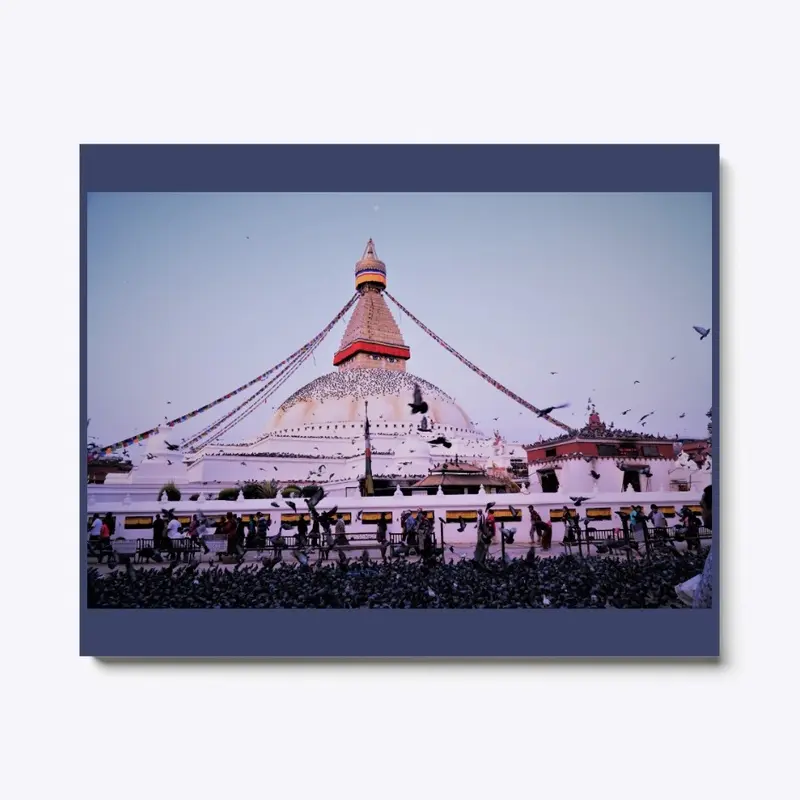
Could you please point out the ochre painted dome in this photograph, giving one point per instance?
(333, 405)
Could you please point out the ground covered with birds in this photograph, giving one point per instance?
(560, 582)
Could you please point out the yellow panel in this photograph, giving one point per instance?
(138, 522)
(467, 516)
(375, 516)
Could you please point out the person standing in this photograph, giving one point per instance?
(197, 529)
(95, 524)
(173, 534)
(659, 522)
(158, 532)
(302, 531)
(262, 526)
(340, 539)
(105, 540)
(229, 528)
(693, 531)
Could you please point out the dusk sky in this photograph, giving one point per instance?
(602, 288)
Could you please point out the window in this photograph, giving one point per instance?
(550, 453)
(650, 450)
(607, 450)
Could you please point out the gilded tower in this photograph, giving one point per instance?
(372, 338)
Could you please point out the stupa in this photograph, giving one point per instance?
(317, 434)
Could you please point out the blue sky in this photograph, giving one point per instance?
(602, 288)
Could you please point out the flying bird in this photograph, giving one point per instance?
(681, 416)
(275, 505)
(172, 447)
(673, 358)
(635, 382)
(462, 525)
(440, 440)
(243, 463)
(291, 505)
(595, 475)
(646, 416)
(489, 506)
(550, 409)
(554, 373)
(702, 331)
(626, 411)
(578, 500)
(419, 406)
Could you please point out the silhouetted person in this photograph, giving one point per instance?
(704, 595)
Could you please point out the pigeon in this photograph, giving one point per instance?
(626, 411)
(243, 463)
(169, 462)
(595, 475)
(419, 406)
(554, 373)
(578, 500)
(641, 419)
(550, 409)
(275, 505)
(673, 358)
(513, 511)
(150, 456)
(462, 524)
(291, 505)
(440, 440)
(489, 506)
(681, 416)
(507, 534)
(588, 459)
(635, 382)
(702, 331)
(275, 468)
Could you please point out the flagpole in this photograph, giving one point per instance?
(369, 488)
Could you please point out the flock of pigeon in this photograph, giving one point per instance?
(531, 582)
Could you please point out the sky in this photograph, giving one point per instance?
(192, 295)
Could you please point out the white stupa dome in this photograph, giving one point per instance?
(333, 405)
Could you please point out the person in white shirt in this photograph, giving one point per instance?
(94, 534)
(173, 533)
(659, 521)
(94, 527)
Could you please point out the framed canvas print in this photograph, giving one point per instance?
(399, 401)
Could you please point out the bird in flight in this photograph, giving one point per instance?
(702, 331)
(578, 500)
(641, 419)
(681, 416)
(635, 382)
(550, 409)
(172, 447)
(626, 411)
(554, 373)
(419, 406)
(440, 440)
